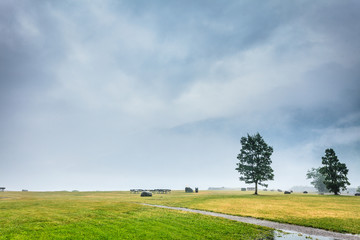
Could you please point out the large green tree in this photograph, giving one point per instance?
(254, 161)
(317, 179)
(334, 172)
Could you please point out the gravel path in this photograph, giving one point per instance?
(270, 224)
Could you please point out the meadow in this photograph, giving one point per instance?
(108, 215)
(335, 213)
(118, 215)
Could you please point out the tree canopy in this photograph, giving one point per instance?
(334, 172)
(317, 179)
(254, 161)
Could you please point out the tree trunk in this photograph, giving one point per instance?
(256, 188)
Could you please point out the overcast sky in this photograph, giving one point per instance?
(113, 95)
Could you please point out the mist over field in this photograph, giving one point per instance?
(113, 95)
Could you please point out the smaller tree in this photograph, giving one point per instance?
(318, 179)
(334, 172)
(254, 161)
(358, 189)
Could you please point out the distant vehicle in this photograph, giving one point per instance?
(146, 194)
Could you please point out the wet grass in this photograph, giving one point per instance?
(336, 213)
(108, 215)
(117, 215)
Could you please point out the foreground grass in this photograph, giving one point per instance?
(108, 215)
(117, 215)
(336, 213)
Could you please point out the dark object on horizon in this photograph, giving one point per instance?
(2, 189)
(243, 189)
(196, 190)
(287, 192)
(189, 190)
(321, 193)
(146, 194)
(217, 188)
(254, 161)
(265, 190)
(357, 194)
(279, 190)
(305, 192)
(24, 190)
(162, 191)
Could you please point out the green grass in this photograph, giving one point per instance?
(118, 215)
(108, 215)
(336, 213)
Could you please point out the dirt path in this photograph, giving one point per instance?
(270, 224)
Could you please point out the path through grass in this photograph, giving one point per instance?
(336, 213)
(108, 215)
(114, 215)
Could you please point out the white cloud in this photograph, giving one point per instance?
(247, 81)
(255, 80)
(27, 26)
(115, 74)
(339, 136)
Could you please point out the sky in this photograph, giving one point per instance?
(113, 95)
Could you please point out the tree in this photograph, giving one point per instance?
(358, 189)
(254, 165)
(334, 172)
(318, 179)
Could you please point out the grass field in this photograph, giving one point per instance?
(108, 215)
(336, 213)
(117, 215)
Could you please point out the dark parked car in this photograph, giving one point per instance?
(146, 194)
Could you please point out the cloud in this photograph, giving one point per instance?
(134, 84)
